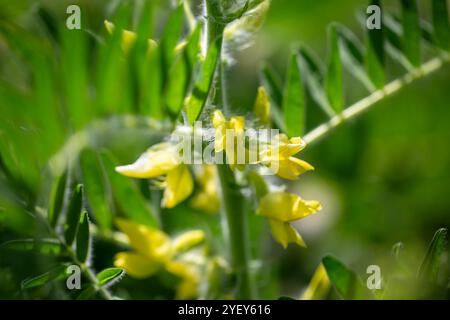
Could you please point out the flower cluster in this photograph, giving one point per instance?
(278, 155)
(171, 168)
(155, 250)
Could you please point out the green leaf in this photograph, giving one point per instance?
(96, 188)
(109, 276)
(352, 53)
(312, 75)
(411, 32)
(57, 199)
(426, 31)
(334, 80)
(144, 24)
(44, 246)
(171, 36)
(145, 64)
(55, 274)
(393, 33)
(181, 72)
(202, 87)
(48, 22)
(294, 100)
(431, 264)
(440, 24)
(83, 238)
(272, 84)
(152, 104)
(346, 282)
(127, 195)
(73, 215)
(193, 47)
(177, 85)
(375, 59)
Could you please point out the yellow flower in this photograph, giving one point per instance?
(163, 159)
(282, 208)
(234, 128)
(154, 250)
(319, 285)
(279, 157)
(208, 198)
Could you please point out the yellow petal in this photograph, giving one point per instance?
(179, 186)
(219, 123)
(189, 279)
(208, 198)
(235, 142)
(237, 124)
(187, 240)
(218, 119)
(282, 147)
(290, 168)
(285, 207)
(319, 285)
(262, 106)
(151, 243)
(284, 233)
(157, 161)
(136, 265)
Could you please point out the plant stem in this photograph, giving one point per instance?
(365, 104)
(233, 206)
(232, 198)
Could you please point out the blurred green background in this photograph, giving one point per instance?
(382, 178)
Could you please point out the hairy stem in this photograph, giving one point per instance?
(238, 239)
(232, 198)
(366, 103)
